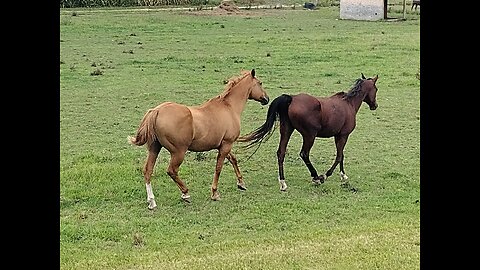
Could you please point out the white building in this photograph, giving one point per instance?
(370, 10)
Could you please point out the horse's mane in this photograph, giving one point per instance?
(231, 83)
(354, 90)
(228, 86)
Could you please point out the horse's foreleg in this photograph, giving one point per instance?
(234, 162)
(285, 132)
(153, 151)
(176, 159)
(308, 141)
(222, 153)
(340, 142)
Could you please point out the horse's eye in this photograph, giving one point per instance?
(261, 83)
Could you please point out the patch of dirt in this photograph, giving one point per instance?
(228, 6)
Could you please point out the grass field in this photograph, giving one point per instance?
(116, 64)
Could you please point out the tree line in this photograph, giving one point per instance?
(128, 3)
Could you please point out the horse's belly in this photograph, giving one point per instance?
(203, 145)
(333, 130)
(205, 139)
(325, 134)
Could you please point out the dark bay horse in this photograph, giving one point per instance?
(313, 117)
(214, 124)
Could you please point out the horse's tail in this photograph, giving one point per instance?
(278, 109)
(146, 130)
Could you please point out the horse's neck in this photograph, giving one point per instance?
(357, 100)
(237, 97)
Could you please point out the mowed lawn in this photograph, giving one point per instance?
(115, 64)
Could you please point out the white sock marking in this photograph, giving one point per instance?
(149, 191)
(283, 184)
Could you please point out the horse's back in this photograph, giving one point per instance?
(195, 128)
(323, 116)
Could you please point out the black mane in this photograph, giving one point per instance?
(355, 89)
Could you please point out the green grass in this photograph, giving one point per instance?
(147, 57)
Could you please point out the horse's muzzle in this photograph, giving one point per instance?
(374, 107)
(264, 100)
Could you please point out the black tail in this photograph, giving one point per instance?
(277, 110)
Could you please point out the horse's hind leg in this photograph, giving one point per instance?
(234, 162)
(176, 159)
(153, 151)
(286, 131)
(308, 141)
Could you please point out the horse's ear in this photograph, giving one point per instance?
(253, 72)
(363, 76)
(375, 78)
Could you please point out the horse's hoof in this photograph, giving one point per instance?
(215, 196)
(343, 176)
(319, 179)
(241, 186)
(283, 185)
(185, 197)
(152, 204)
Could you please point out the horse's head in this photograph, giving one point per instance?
(256, 90)
(371, 91)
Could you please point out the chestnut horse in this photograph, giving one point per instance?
(214, 124)
(313, 117)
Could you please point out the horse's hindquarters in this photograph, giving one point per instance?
(173, 126)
